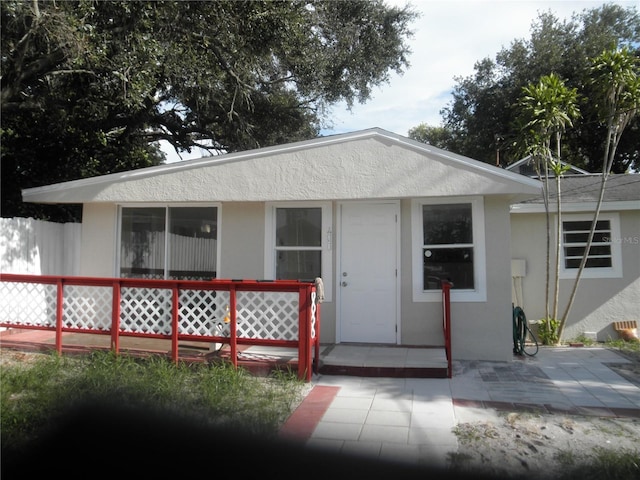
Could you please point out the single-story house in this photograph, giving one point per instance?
(609, 288)
(382, 219)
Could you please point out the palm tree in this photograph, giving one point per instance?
(615, 76)
(546, 110)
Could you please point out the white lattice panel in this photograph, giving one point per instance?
(202, 312)
(87, 307)
(267, 315)
(145, 310)
(28, 303)
(260, 315)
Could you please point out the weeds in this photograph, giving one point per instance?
(567, 458)
(623, 345)
(548, 331)
(586, 341)
(33, 396)
(468, 433)
(602, 463)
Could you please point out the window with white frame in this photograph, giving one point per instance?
(168, 242)
(448, 244)
(299, 242)
(604, 256)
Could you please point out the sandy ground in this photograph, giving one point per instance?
(525, 445)
(533, 446)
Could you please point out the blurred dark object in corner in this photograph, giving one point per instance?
(120, 442)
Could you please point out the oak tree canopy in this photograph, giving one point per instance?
(90, 87)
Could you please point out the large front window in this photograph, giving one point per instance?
(168, 242)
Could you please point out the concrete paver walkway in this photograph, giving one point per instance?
(411, 421)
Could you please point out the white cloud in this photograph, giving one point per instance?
(449, 38)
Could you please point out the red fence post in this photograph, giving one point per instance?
(304, 333)
(59, 314)
(115, 317)
(174, 322)
(233, 328)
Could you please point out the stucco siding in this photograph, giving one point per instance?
(368, 166)
(480, 330)
(421, 322)
(99, 225)
(528, 243)
(242, 240)
(362, 168)
(483, 330)
(599, 301)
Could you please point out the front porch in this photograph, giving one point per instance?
(256, 324)
(335, 359)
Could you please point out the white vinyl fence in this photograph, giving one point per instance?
(186, 254)
(37, 247)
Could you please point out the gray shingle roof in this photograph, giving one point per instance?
(586, 188)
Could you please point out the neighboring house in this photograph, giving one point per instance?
(526, 166)
(380, 217)
(609, 289)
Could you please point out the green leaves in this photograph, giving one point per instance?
(547, 109)
(615, 77)
(485, 105)
(92, 87)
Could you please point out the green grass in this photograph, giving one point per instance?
(34, 396)
(601, 464)
(623, 345)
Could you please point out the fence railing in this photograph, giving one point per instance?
(281, 313)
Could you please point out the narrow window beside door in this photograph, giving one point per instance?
(298, 243)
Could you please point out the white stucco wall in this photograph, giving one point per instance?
(372, 166)
(483, 330)
(599, 301)
(367, 165)
(242, 240)
(480, 330)
(99, 226)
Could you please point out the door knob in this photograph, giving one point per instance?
(344, 284)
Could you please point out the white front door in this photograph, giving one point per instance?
(368, 272)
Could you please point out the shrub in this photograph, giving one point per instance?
(548, 331)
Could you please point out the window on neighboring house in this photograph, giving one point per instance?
(299, 242)
(169, 242)
(448, 245)
(603, 259)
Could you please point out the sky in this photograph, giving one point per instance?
(450, 36)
